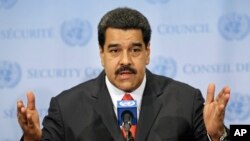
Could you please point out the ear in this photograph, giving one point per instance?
(101, 53)
(148, 54)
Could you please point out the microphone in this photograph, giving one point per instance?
(126, 108)
(127, 116)
(127, 120)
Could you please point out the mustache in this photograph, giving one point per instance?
(126, 68)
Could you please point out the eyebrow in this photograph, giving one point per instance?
(112, 45)
(137, 44)
(116, 45)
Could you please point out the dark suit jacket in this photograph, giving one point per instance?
(170, 111)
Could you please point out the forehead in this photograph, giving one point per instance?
(115, 34)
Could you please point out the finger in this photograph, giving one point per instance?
(21, 111)
(22, 116)
(31, 101)
(210, 93)
(227, 92)
(19, 106)
(223, 96)
(219, 97)
(223, 99)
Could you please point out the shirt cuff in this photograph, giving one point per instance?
(222, 138)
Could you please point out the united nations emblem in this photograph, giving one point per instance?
(234, 26)
(238, 107)
(164, 66)
(127, 103)
(76, 32)
(10, 74)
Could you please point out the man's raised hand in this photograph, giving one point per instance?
(214, 111)
(28, 119)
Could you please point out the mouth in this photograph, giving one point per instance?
(124, 75)
(125, 72)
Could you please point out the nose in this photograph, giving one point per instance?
(125, 58)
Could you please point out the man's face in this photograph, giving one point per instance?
(124, 58)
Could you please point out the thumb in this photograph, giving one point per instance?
(210, 93)
(31, 105)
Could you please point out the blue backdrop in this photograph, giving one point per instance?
(51, 45)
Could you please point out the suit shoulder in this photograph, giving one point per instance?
(85, 89)
(171, 84)
(173, 89)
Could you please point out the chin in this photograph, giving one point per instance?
(126, 88)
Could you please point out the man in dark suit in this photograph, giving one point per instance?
(168, 110)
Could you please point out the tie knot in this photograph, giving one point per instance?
(127, 96)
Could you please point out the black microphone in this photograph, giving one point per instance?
(127, 123)
(127, 120)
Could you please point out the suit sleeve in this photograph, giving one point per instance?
(200, 133)
(53, 124)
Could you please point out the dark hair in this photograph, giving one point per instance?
(124, 18)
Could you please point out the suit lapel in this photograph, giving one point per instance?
(104, 108)
(149, 108)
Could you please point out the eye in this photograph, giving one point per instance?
(135, 51)
(114, 51)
